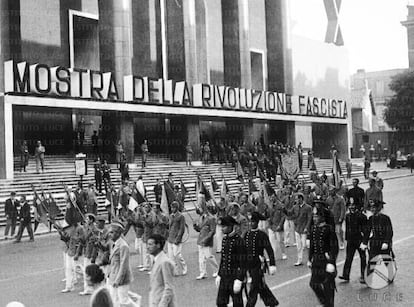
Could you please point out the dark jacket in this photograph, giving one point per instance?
(355, 226)
(358, 195)
(177, 228)
(207, 228)
(256, 242)
(25, 215)
(233, 258)
(11, 209)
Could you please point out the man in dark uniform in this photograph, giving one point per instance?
(355, 231)
(97, 166)
(357, 194)
(25, 220)
(256, 242)
(158, 191)
(323, 251)
(11, 210)
(232, 265)
(379, 231)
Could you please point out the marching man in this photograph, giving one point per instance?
(232, 269)
(256, 242)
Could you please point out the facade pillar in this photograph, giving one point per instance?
(279, 61)
(235, 20)
(290, 133)
(193, 136)
(115, 46)
(10, 49)
(248, 132)
(146, 29)
(303, 134)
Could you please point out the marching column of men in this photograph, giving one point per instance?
(315, 213)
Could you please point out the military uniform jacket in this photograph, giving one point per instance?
(233, 258)
(355, 226)
(256, 242)
(337, 206)
(323, 240)
(302, 217)
(206, 226)
(177, 228)
(379, 230)
(74, 239)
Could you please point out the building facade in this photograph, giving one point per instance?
(173, 72)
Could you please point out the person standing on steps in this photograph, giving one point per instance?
(39, 155)
(24, 156)
(145, 152)
(189, 154)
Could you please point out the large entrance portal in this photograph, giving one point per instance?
(327, 135)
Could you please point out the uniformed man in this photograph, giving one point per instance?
(102, 244)
(232, 270)
(323, 251)
(89, 249)
(256, 242)
(144, 149)
(175, 239)
(72, 237)
(379, 231)
(355, 231)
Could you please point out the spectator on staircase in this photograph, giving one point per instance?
(106, 174)
(119, 149)
(24, 156)
(39, 155)
(158, 191)
(95, 143)
(189, 154)
(145, 152)
(98, 174)
(348, 168)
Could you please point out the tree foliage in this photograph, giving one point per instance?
(399, 112)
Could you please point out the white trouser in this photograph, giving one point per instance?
(122, 297)
(174, 253)
(69, 271)
(144, 258)
(301, 241)
(219, 237)
(289, 228)
(276, 238)
(204, 255)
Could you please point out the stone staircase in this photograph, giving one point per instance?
(60, 169)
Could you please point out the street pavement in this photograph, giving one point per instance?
(32, 272)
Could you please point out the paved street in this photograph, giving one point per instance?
(32, 272)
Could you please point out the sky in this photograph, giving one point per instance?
(371, 29)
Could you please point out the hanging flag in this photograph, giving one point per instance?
(164, 201)
(53, 209)
(239, 171)
(169, 193)
(203, 190)
(142, 192)
(133, 204)
(260, 174)
(336, 169)
(214, 184)
(289, 170)
(183, 189)
(224, 188)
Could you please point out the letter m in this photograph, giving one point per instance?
(16, 77)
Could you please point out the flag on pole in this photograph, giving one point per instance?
(133, 204)
(239, 171)
(42, 213)
(336, 169)
(164, 201)
(142, 192)
(203, 190)
(214, 184)
(169, 193)
(224, 188)
(183, 189)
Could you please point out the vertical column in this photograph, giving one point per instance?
(290, 133)
(6, 139)
(115, 39)
(175, 39)
(235, 43)
(146, 27)
(193, 135)
(340, 139)
(303, 134)
(278, 57)
(248, 133)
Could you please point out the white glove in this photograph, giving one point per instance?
(363, 246)
(237, 285)
(309, 264)
(272, 270)
(384, 246)
(330, 268)
(307, 243)
(218, 279)
(327, 256)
